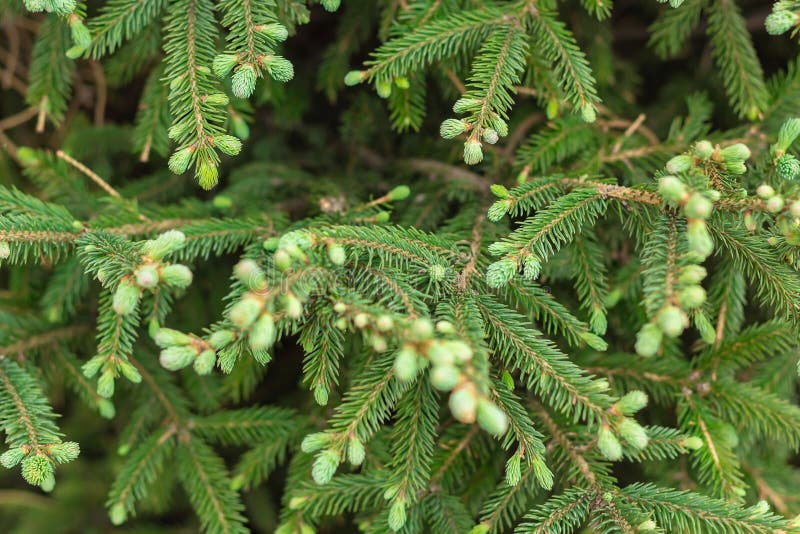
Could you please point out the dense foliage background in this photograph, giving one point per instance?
(548, 294)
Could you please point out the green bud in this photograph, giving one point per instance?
(207, 174)
(671, 321)
(789, 131)
(397, 515)
(490, 136)
(354, 77)
(498, 210)
(176, 358)
(275, 31)
(239, 127)
(64, 452)
(491, 418)
(775, 204)
(36, 469)
(243, 81)
(176, 275)
(12, 457)
(788, 167)
(221, 338)
(633, 433)
(384, 323)
(204, 363)
(700, 242)
(444, 377)
(330, 5)
(794, 209)
(166, 337)
(147, 276)
(473, 154)
(737, 152)
(542, 473)
(263, 333)
(106, 408)
(692, 274)
(217, 99)
(703, 149)
(463, 404)
(501, 272)
(680, 163)
(250, 274)
(293, 307)
(401, 192)
(81, 37)
(129, 371)
(692, 297)
(765, 192)
(49, 483)
(405, 364)
(118, 514)
(551, 110)
(34, 6)
(91, 367)
(735, 167)
(245, 312)
(228, 144)
(647, 526)
(671, 188)
(438, 354)
(464, 105)
(223, 64)
(62, 7)
(648, 340)
(126, 298)
(166, 243)
(445, 327)
(608, 445)
(779, 22)
(588, 113)
(336, 254)
(692, 443)
(314, 442)
(280, 68)
(282, 259)
(402, 83)
(325, 466)
(383, 88)
(513, 470)
(698, 207)
(422, 328)
(451, 128)
(180, 159)
(356, 452)
(321, 395)
(5, 250)
(631, 402)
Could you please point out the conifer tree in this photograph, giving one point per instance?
(446, 266)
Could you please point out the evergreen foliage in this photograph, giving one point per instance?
(544, 280)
